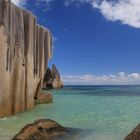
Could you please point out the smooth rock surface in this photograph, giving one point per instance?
(25, 48)
(52, 79)
(41, 130)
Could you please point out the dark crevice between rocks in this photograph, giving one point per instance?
(38, 90)
(52, 79)
(7, 59)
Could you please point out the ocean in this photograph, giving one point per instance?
(102, 112)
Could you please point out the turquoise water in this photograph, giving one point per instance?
(107, 112)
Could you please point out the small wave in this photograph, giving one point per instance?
(3, 119)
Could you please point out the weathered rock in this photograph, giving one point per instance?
(135, 134)
(52, 79)
(48, 80)
(57, 83)
(25, 49)
(44, 98)
(41, 130)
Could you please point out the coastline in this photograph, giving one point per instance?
(100, 116)
(97, 112)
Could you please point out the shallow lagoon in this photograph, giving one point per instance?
(103, 112)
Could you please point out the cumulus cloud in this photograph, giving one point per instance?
(126, 11)
(118, 79)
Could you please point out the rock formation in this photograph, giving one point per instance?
(135, 134)
(44, 98)
(25, 48)
(45, 129)
(52, 79)
(41, 130)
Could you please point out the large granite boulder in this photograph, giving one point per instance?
(25, 49)
(41, 130)
(45, 129)
(52, 79)
(135, 134)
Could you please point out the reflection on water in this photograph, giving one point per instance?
(76, 134)
(101, 112)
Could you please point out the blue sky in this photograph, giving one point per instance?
(95, 42)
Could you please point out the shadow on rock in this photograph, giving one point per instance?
(135, 134)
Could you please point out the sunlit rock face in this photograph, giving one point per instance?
(42, 130)
(46, 129)
(25, 48)
(52, 79)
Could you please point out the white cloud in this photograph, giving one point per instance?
(118, 79)
(19, 2)
(54, 38)
(126, 11)
(23, 2)
(134, 76)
